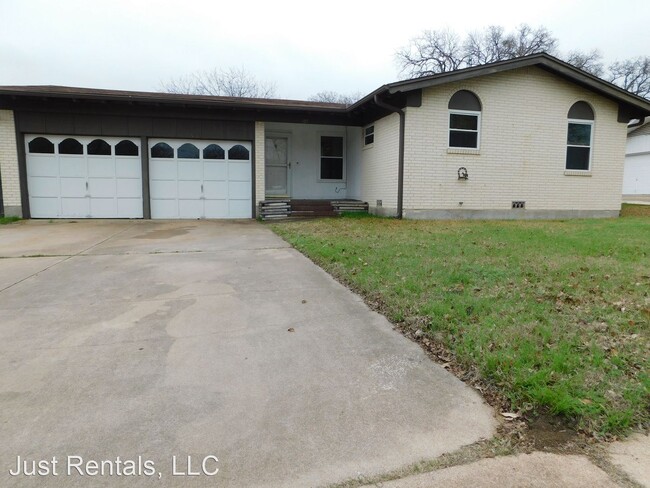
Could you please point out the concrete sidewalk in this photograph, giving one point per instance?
(536, 470)
(541, 470)
(633, 457)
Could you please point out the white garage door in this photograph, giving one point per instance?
(83, 177)
(200, 179)
(636, 178)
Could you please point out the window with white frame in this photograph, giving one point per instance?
(369, 135)
(331, 158)
(580, 134)
(464, 120)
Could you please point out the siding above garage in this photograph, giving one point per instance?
(133, 126)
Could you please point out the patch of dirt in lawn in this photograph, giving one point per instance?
(632, 210)
(548, 433)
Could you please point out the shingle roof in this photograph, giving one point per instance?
(542, 60)
(640, 105)
(160, 97)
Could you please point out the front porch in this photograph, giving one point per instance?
(286, 208)
(307, 170)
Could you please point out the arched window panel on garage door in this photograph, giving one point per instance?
(238, 152)
(126, 148)
(188, 151)
(214, 151)
(99, 147)
(41, 145)
(70, 146)
(162, 150)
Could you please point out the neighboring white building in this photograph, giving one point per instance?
(531, 137)
(636, 179)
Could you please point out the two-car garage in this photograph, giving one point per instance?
(102, 177)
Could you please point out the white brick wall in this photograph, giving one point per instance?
(9, 160)
(379, 164)
(522, 153)
(259, 162)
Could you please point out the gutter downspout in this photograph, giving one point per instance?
(400, 161)
(638, 123)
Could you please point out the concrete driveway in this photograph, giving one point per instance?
(161, 339)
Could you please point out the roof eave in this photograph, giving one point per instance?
(221, 104)
(545, 61)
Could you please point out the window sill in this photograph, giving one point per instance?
(458, 150)
(577, 172)
(320, 180)
(368, 146)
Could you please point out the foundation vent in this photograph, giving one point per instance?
(519, 204)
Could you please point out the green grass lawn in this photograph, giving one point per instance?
(553, 314)
(8, 220)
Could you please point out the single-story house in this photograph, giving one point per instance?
(636, 177)
(532, 137)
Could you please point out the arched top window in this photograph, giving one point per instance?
(464, 120)
(126, 148)
(465, 100)
(162, 150)
(41, 145)
(188, 151)
(580, 135)
(581, 111)
(70, 146)
(99, 147)
(214, 151)
(238, 152)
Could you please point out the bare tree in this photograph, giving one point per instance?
(632, 75)
(329, 96)
(231, 82)
(442, 51)
(486, 46)
(433, 52)
(591, 61)
(525, 40)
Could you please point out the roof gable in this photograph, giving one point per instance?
(635, 103)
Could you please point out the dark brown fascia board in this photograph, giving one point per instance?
(542, 60)
(368, 98)
(152, 99)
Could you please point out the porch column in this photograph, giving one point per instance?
(9, 172)
(260, 188)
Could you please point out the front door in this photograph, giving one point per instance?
(277, 166)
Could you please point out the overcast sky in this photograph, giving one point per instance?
(303, 47)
